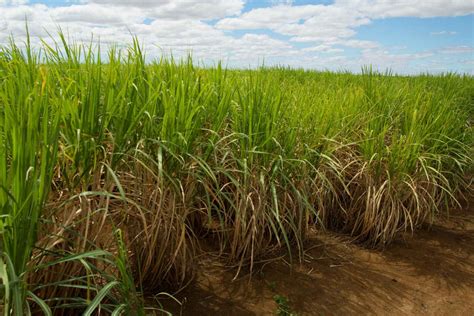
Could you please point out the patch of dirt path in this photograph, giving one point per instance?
(429, 273)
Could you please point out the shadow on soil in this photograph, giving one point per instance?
(431, 272)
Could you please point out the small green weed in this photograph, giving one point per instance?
(283, 308)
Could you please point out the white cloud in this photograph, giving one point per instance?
(322, 48)
(278, 2)
(360, 44)
(305, 23)
(325, 23)
(457, 49)
(135, 3)
(329, 46)
(162, 35)
(177, 9)
(270, 17)
(376, 9)
(13, 2)
(180, 26)
(96, 14)
(442, 33)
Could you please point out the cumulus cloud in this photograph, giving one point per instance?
(135, 3)
(13, 2)
(95, 14)
(323, 48)
(299, 35)
(377, 9)
(463, 49)
(179, 36)
(278, 2)
(441, 33)
(178, 9)
(309, 23)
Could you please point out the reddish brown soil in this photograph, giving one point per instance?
(429, 273)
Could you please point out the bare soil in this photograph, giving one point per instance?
(428, 273)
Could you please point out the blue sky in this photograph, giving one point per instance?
(406, 36)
